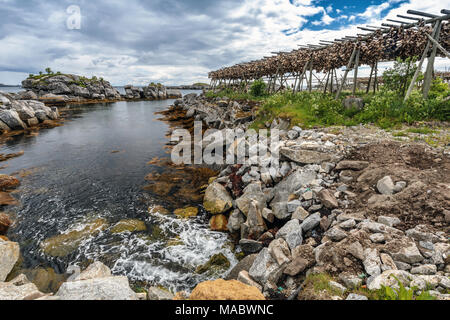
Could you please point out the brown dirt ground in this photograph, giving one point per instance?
(427, 173)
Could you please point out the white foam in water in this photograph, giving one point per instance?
(153, 261)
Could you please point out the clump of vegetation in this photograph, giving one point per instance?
(258, 88)
(317, 287)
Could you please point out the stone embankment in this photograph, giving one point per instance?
(350, 203)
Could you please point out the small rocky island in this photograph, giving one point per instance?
(61, 89)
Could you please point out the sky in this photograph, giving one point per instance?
(174, 41)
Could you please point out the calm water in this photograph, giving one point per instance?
(72, 176)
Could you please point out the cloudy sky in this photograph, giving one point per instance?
(173, 41)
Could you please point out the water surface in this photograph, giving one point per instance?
(91, 170)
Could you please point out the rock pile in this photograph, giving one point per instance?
(22, 114)
(323, 207)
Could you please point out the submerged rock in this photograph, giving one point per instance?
(64, 244)
(219, 222)
(8, 182)
(186, 212)
(217, 264)
(129, 225)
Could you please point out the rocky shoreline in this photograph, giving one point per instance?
(357, 206)
(342, 214)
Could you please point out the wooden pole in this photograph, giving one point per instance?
(352, 58)
(310, 76)
(370, 78)
(430, 67)
(439, 46)
(355, 77)
(419, 67)
(326, 84)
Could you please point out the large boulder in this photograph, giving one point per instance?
(109, 288)
(8, 182)
(12, 291)
(24, 111)
(292, 232)
(12, 119)
(265, 268)
(217, 199)
(95, 271)
(9, 254)
(225, 290)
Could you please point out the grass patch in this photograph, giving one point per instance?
(317, 287)
(424, 131)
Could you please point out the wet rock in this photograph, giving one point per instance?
(311, 222)
(328, 199)
(129, 225)
(65, 243)
(186, 213)
(386, 186)
(9, 254)
(292, 232)
(5, 223)
(216, 264)
(250, 246)
(352, 165)
(110, 288)
(219, 223)
(225, 290)
(217, 199)
(279, 250)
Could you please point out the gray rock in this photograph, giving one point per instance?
(297, 266)
(250, 246)
(11, 119)
(386, 186)
(245, 264)
(157, 294)
(255, 221)
(292, 206)
(304, 157)
(265, 268)
(268, 215)
(428, 269)
(400, 186)
(336, 234)
(328, 199)
(372, 262)
(348, 225)
(389, 221)
(94, 271)
(356, 297)
(337, 286)
(406, 252)
(300, 214)
(293, 134)
(353, 103)
(352, 165)
(280, 210)
(311, 222)
(252, 192)
(292, 233)
(351, 281)
(279, 250)
(11, 292)
(9, 254)
(235, 221)
(217, 199)
(111, 288)
(377, 238)
(245, 278)
(389, 279)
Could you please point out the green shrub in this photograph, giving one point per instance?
(258, 88)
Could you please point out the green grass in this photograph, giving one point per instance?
(386, 109)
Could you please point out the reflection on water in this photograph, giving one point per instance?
(80, 180)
